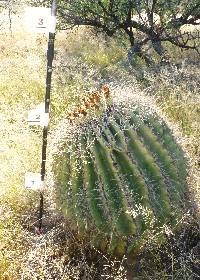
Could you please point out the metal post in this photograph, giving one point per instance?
(50, 57)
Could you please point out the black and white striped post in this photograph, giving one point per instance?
(50, 57)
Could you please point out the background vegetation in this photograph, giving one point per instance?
(82, 62)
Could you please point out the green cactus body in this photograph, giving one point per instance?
(64, 191)
(94, 196)
(163, 134)
(125, 178)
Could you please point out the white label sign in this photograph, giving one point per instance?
(39, 20)
(38, 116)
(34, 117)
(33, 181)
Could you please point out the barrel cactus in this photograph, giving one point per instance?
(120, 176)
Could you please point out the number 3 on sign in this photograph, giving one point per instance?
(40, 21)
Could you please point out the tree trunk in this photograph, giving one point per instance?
(158, 47)
(136, 51)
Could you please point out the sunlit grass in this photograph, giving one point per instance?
(183, 108)
(20, 90)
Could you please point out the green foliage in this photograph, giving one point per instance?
(126, 177)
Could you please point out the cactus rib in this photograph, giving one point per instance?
(163, 133)
(147, 164)
(94, 198)
(118, 207)
(163, 158)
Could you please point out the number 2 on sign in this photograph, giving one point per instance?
(37, 117)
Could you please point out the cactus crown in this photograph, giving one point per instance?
(92, 101)
(120, 176)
